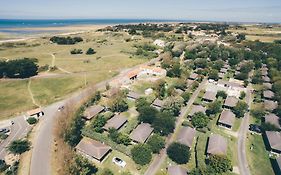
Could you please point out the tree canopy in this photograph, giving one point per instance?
(200, 120)
(141, 154)
(179, 153)
(19, 146)
(156, 143)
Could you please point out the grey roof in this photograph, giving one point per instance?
(209, 95)
(186, 136)
(141, 132)
(133, 95)
(176, 170)
(227, 117)
(223, 70)
(158, 103)
(265, 78)
(115, 122)
(179, 91)
(274, 139)
(93, 148)
(268, 94)
(264, 72)
(197, 108)
(270, 105)
(189, 82)
(92, 111)
(267, 85)
(230, 101)
(272, 119)
(217, 145)
(193, 76)
(111, 92)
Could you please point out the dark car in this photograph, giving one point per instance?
(255, 128)
(4, 130)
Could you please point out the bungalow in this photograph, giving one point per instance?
(197, 108)
(268, 94)
(267, 85)
(176, 170)
(274, 141)
(209, 96)
(227, 119)
(217, 145)
(35, 113)
(270, 105)
(141, 133)
(193, 76)
(272, 119)
(266, 79)
(158, 104)
(230, 102)
(133, 95)
(92, 149)
(223, 70)
(132, 75)
(115, 122)
(92, 111)
(186, 136)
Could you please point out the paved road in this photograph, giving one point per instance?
(42, 148)
(18, 131)
(159, 159)
(242, 134)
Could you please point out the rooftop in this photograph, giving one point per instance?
(227, 117)
(141, 132)
(274, 139)
(272, 119)
(186, 136)
(268, 94)
(211, 96)
(217, 145)
(197, 108)
(193, 76)
(270, 105)
(133, 95)
(176, 170)
(230, 101)
(115, 122)
(93, 111)
(158, 103)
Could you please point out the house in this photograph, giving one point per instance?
(141, 133)
(272, 119)
(227, 119)
(35, 113)
(270, 105)
(197, 108)
(266, 79)
(193, 76)
(133, 95)
(217, 145)
(92, 112)
(179, 91)
(268, 94)
(274, 141)
(209, 96)
(92, 149)
(223, 70)
(186, 136)
(152, 71)
(267, 85)
(230, 102)
(115, 122)
(176, 170)
(157, 103)
(133, 75)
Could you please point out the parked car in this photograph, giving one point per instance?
(119, 162)
(255, 128)
(4, 130)
(12, 122)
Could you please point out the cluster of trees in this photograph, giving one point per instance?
(200, 120)
(179, 153)
(66, 40)
(144, 27)
(146, 50)
(90, 51)
(118, 137)
(118, 103)
(19, 68)
(245, 68)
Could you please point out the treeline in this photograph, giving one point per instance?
(146, 27)
(66, 40)
(19, 68)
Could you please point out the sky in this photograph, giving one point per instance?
(209, 10)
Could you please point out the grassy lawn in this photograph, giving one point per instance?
(258, 157)
(236, 124)
(14, 98)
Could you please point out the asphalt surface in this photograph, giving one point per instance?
(19, 129)
(159, 159)
(42, 148)
(242, 135)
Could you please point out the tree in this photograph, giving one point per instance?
(90, 51)
(160, 88)
(242, 95)
(156, 143)
(199, 120)
(98, 123)
(186, 97)
(240, 109)
(118, 138)
(141, 102)
(118, 104)
(214, 107)
(173, 105)
(179, 153)
(219, 163)
(175, 71)
(19, 146)
(258, 113)
(141, 154)
(73, 133)
(76, 51)
(147, 114)
(221, 94)
(164, 123)
(31, 120)
(81, 166)
(269, 127)
(3, 165)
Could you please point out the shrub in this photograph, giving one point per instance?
(199, 120)
(19, 146)
(141, 154)
(179, 153)
(32, 120)
(156, 143)
(219, 164)
(76, 51)
(221, 94)
(90, 51)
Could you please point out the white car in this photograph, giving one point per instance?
(119, 162)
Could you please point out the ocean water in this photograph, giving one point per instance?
(23, 23)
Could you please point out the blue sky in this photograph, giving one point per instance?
(216, 10)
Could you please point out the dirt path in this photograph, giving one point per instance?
(31, 94)
(53, 65)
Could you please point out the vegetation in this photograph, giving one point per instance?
(19, 146)
(90, 51)
(199, 120)
(119, 138)
(179, 153)
(221, 94)
(164, 123)
(66, 40)
(240, 109)
(219, 164)
(76, 51)
(147, 114)
(214, 107)
(31, 120)
(81, 165)
(156, 143)
(141, 154)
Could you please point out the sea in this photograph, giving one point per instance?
(16, 25)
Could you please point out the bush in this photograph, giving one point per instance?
(186, 97)
(66, 40)
(156, 143)
(90, 51)
(240, 109)
(179, 153)
(19, 146)
(32, 120)
(76, 51)
(119, 138)
(199, 120)
(141, 154)
(219, 164)
(221, 94)
(164, 123)
(147, 114)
